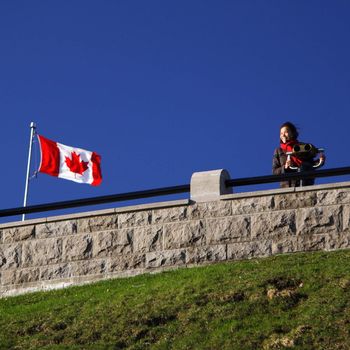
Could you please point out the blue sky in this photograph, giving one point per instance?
(161, 89)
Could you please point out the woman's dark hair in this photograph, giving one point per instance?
(292, 128)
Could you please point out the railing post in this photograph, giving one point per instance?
(209, 185)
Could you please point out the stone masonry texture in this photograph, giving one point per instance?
(61, 251)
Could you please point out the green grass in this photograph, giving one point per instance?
(299, 301)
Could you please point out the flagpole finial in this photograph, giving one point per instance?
(32, 125)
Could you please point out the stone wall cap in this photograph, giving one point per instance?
(139, 207)
(331, 186)
(80, 215)
(257, 193)
(12, 224)
(156, 205)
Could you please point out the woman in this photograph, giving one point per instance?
(283, 164)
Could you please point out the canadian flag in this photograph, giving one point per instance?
(69, 163)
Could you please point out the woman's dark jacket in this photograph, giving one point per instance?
(278, 162)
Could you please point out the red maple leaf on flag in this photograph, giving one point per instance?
(76, 165)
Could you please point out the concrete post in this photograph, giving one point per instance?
(209, 185)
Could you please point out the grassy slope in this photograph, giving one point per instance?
(299, 301)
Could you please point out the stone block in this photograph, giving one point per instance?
(309, 242)
(337, 241)
(132, 219)
(127, 262)
(113, 242)
(229, 229)
(77, 247)
(169, 215)
(166, 258)
(103, 244)
(42, 252)
(19, 276)
(284, 245)
(295, 200)
(210, 209)
(346, 217)
(213, 253)
(97, 223)
(319, 220)
(17, 234)
(10, 256)
(148, 239)
(88, 267)
(56, 229)
(332, 197)
(123, 241)
(184, 234)
(8, 277)
(252, 205)
(273, 224)
(248, 250)
(55, 272)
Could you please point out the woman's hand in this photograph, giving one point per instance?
(288, 163)
(322, 158)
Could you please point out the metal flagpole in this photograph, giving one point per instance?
(32, 131)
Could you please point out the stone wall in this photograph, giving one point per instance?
(59, 251)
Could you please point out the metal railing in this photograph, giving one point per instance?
(290, 176)
(170, 190)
